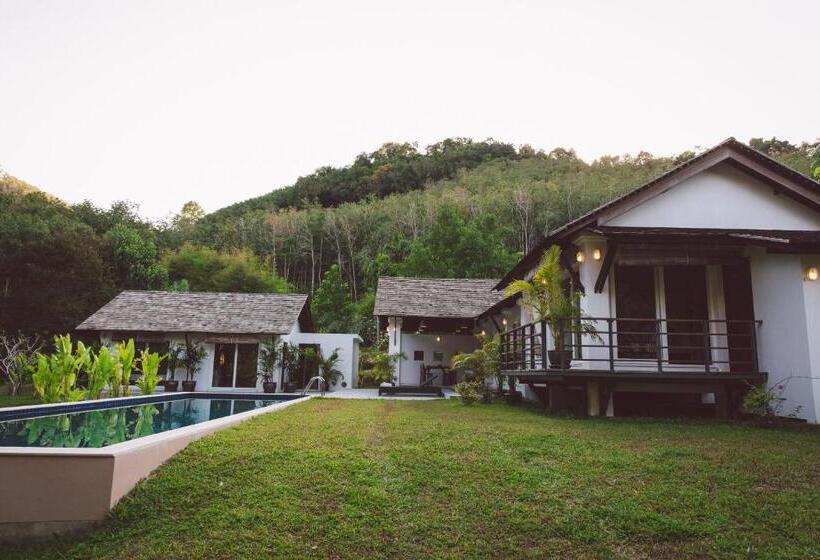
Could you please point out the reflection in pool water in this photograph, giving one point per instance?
(98, 428)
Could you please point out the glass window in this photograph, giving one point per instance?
(418, 355)
(635, 310)
(438, 356)
(223, 365)
(246, 365)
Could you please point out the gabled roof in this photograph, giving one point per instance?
(781, 177)
(457, 298)
(199, 312)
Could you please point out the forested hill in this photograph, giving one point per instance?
(393, 168)
(457, 209)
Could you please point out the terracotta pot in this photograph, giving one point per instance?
(171, 386)
(269, 386)
(189, 386)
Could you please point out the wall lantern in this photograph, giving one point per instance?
(811, 273)
(596, 254)
(504, 322)
(483, 332)
(222, 358)
(438, 339)
(580, 257)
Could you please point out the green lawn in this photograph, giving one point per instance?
(404, 479)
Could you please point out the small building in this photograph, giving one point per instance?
(430, 320)
(229, 326)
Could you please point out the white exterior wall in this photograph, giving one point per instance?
(348, 347)
(450, 345)
(721, 197)
(789, 336)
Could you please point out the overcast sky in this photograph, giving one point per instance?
(160, 102)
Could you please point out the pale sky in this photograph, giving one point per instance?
(161, 102)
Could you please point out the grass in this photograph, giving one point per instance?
(405, 479)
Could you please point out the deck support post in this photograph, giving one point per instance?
(593, 399)
(610, 403)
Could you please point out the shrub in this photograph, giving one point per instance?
(55, 376)
(470, 391)
(767, 403)
(100, 372)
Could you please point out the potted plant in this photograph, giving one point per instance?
(174, 361)
(290, 359)
(269, 356)
(479, 365)
(193, 354)
(329, 368)
(555, 306)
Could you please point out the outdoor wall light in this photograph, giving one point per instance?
(580, 257)
(483, 332)
(811, 273)
(504, 322)
(596, 254)
(438, 339)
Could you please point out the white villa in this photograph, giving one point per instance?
(701, 283)
(230, 327)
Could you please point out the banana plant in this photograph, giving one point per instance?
(126, 353)
(149, 363)
(55, 377)
(100, 373)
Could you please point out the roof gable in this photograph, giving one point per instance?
(199, 312)
(458, 298)
(768, 171)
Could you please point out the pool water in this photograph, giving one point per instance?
(107, 426)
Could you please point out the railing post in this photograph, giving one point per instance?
(532, 345)
(658, 338)
(515, 349)
(523, 347)
(543, 345)
(707, 346)
(611, 346)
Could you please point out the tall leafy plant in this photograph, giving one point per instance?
(329, 367)
(55, 376)
(479, 365)
(192, 356)
(149, 364)
(123, 365)
(100, 373)
(552, 302)
(270, 355)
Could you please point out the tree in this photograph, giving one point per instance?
(332, 307)
(136, 258)
(454, 248)
(16, 357)
(206, 270)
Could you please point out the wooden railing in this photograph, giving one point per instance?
(625, 344)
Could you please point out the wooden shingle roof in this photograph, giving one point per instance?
(198, 312)
(461, 298)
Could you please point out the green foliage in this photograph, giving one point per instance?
(482, 363)
(767, 402)
(332, 308)
(175, 354)
(55, 376)
(149, 365)
(470, 391)
(551, 300)
(16, 359)
(118, 383)
(455, 248)
(270, 356)
(376, 366)
(290, 360)
(101, 372)
(136, 257)
(329, 367)
(192, 355)
(207, 270)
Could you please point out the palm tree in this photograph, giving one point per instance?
(329, 367)
(553, 304)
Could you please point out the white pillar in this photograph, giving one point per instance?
(594, 305)
(394, 344)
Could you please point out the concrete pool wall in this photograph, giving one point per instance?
(46, 491)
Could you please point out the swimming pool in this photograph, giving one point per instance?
(117, 423)
(64, 466)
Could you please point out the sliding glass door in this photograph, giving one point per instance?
(235, 365)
